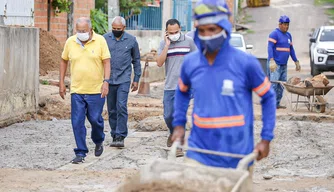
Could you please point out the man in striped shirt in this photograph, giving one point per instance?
(171, 53)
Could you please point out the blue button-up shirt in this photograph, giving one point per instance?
(123, 52)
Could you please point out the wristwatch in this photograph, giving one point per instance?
(106, 80)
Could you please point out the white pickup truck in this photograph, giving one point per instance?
(237, 41)
(322, 50)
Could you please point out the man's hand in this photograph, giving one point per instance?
(104, 89)
(167, 40)
(62, 89)
(262, 148)
(134, 86)
(272, 65)
(297, 66)
(178, 134)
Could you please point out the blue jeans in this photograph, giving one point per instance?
(90, 105)
(279, 75)
(117, 101)
(168, 102)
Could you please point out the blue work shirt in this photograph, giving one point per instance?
(123, 52)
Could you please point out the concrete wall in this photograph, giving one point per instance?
(19, 60)
(147, 39)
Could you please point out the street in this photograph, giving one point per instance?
(35, 155)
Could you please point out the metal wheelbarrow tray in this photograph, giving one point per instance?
(314, 96)
(192, 178)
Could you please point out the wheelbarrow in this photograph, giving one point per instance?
(315, 96)
(195, 178)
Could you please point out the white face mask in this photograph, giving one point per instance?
(174, 37)
(83, 36)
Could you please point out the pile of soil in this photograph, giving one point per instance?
(50, 51)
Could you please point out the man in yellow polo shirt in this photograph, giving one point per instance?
(89, 56)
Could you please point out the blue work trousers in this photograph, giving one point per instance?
(90, 105)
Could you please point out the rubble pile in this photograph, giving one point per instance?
(151, 56)
(317, 81)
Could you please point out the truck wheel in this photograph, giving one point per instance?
(314, 69)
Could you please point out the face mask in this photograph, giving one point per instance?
(174, 37)
(213, 43)
(117, 34)
(83, 36)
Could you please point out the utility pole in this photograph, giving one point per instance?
(166, 13)
(113, 10)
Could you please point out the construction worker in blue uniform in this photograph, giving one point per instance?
(223, 79)
(280, 47)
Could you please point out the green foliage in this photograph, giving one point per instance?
(99, 21)
(329, 11)
(45, 82)
(102, 5)
(61, 5)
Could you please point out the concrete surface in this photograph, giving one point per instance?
(19, 71)
(304, 16)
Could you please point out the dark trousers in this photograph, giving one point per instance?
(117, 101)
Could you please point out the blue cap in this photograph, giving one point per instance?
(284, 19)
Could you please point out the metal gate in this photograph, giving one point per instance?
(182, 11)
(17, 12)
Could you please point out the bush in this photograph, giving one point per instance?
(99, 21)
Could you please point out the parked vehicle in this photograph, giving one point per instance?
(321, 50)
(237, 41)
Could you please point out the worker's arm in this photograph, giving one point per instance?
(162, 51)
(259, 83)
(292, 51)
(181, 104)
(271, 45)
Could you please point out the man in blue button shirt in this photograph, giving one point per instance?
(124, 51)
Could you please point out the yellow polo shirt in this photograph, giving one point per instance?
(87, 70)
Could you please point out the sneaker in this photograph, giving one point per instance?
(179, 153)
(78, 159)
(98, 149)
(113, 143)
(169, 141)
(280, 107)
(120, 142)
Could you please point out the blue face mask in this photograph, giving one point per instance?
(214, 42)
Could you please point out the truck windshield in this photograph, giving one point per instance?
(327, 35)
(236, 41)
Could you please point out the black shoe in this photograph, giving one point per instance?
(120, 142)
(113, 143)
(98, 149)
(280, 107)
(78, 159)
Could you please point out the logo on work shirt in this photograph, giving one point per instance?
(227, 88)
(289, 41)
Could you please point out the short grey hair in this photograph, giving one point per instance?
(119, 18)
(85, 19)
